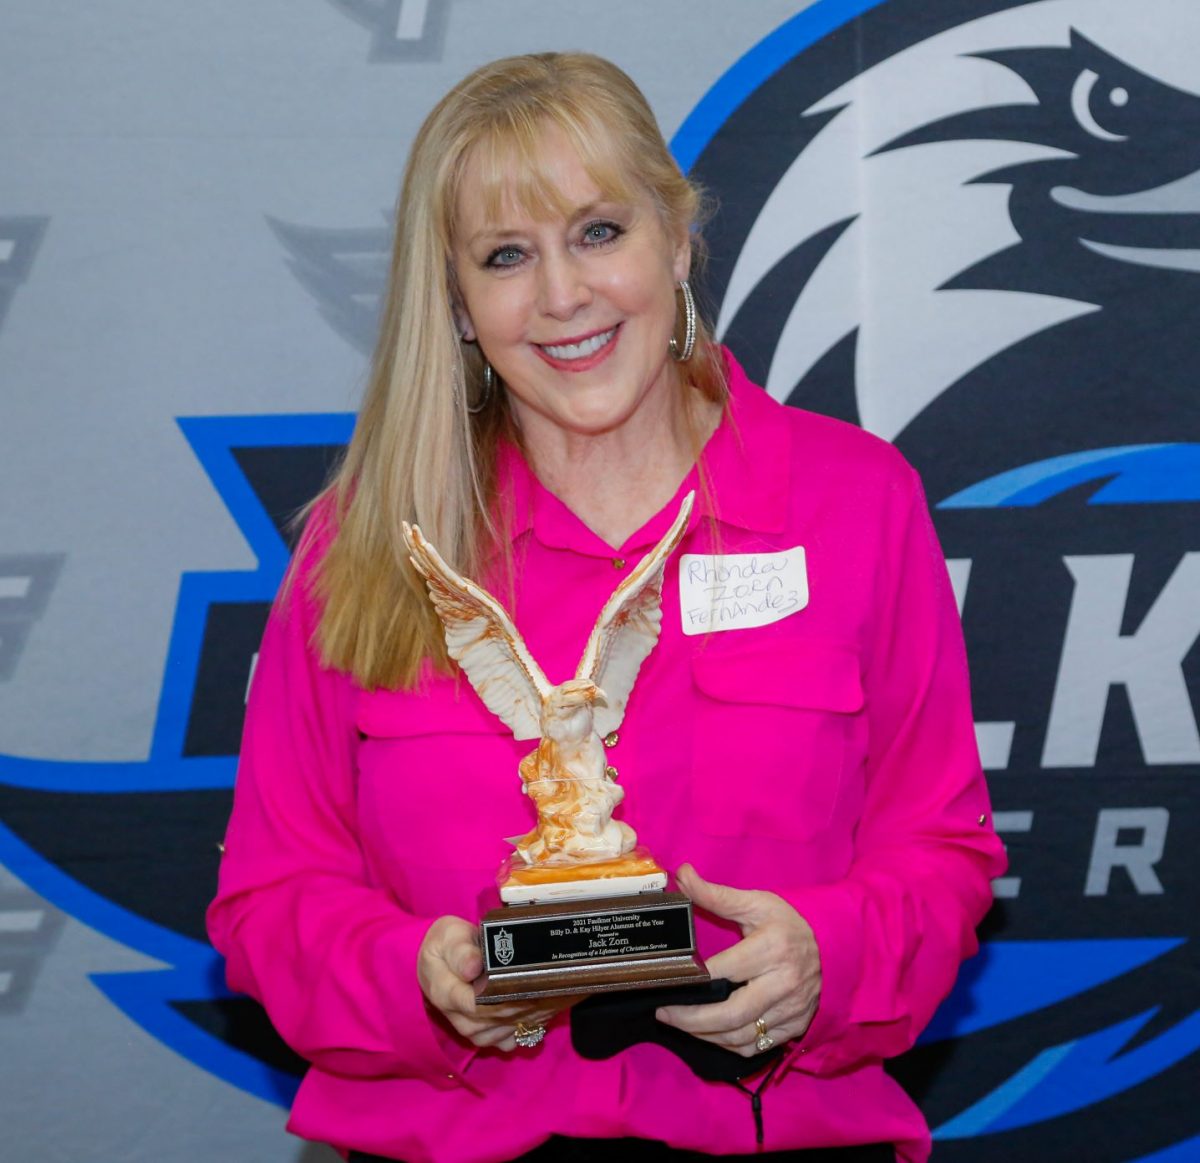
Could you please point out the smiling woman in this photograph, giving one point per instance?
(528, 143)
(542, 399)
(574, 309)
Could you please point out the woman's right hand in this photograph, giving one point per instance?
(447, 966)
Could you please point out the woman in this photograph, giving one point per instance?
(537, 405)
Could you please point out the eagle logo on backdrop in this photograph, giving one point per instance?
(972, 226)
(1023, 189)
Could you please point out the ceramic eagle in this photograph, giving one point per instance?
(566, 776)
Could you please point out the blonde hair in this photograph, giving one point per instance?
(419, 452)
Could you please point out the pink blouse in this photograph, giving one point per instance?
(827, 756)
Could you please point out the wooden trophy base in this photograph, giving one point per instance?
(572, 940)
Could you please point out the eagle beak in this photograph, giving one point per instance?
(1108, 217)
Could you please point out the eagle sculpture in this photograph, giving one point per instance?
(566, 775)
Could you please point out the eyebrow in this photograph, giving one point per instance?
(495, 233)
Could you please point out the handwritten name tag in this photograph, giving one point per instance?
(736, 591)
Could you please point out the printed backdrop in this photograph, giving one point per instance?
(972, 226)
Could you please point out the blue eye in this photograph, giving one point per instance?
(504, 256)
(598, 233)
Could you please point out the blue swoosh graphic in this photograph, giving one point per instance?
(195, 971)
(1186, 1152)
(1008, 979)
(1074, 1075)
(146, 999)
(213, 439)
(750, 71)
(1141, 474)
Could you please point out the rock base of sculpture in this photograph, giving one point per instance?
(643, 940)
(524, 884)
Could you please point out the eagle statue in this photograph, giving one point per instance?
(566, 775)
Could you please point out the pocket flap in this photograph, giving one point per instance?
(451, 710)
(817, 675)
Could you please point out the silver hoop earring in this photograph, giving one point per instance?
(489, 389)
(684, 353)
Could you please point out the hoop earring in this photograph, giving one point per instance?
(684, 353)
(489, 390)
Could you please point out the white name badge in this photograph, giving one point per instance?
(736, 591)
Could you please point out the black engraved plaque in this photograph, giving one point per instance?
(625, 942)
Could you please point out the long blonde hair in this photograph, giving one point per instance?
(424, 446)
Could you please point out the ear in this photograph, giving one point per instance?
(462, 321)
(458, 309)
(682, 267)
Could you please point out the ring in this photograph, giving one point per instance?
(764, 1041)
(528, 1037)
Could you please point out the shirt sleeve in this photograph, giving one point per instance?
(332, 957)
(892, 933)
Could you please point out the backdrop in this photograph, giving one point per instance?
(972, 226)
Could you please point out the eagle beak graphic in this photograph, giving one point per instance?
(1155, 227)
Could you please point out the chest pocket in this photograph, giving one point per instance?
(778, 728)
(437, 781)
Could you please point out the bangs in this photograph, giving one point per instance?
(517, 172)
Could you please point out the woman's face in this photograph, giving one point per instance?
(573, 312)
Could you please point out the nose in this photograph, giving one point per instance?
(563, 286)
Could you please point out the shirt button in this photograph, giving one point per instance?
(982, 821)
(618, 563)
(611, 739)
(611, 772)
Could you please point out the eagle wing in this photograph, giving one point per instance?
(481, 638)
(628, 627)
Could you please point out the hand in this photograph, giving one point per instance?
(777, 958)
(448, 963)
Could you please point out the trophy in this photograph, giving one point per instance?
(584, 906)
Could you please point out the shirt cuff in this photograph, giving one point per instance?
(832, 913)
(428, 1038)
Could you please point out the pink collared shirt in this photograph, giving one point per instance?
(828, 756)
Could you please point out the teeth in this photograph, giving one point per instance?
(578, 350)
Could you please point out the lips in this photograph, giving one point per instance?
(580, 352)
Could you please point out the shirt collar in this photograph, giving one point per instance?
(746, 462)
(748, 458)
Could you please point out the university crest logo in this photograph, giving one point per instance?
(502, 946)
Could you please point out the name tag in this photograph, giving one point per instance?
(737, 591)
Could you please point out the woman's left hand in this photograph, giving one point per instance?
(777, 958)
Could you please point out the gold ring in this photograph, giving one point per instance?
(764, 1041)
(528, 1037)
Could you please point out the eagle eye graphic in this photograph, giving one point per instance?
(1081, 105)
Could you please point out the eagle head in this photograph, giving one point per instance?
(990, 183)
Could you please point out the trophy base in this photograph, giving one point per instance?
(642, 941)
